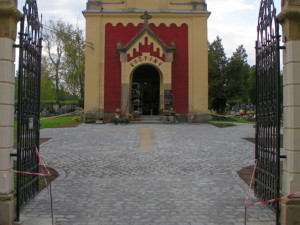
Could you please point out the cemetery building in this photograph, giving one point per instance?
(145, 57)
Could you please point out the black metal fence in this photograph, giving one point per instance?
(28, 109)
(267, 150)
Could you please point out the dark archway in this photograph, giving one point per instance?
(149, 84)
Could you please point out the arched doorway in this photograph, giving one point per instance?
(146, 90)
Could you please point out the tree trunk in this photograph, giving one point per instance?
(56, 87)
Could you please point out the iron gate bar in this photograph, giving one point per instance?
(29, 78)
(267, 146)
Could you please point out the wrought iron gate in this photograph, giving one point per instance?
(29, 74)
(267, 150)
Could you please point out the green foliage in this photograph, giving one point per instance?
(64, 63)
(47, 84)
(74, 44)
(222, 124)
(73, 102)
(47, 88)
(221, 118)
(237, 72)
(61, 103)
(167, 112)
(50, 122)
(252, 85)
(76, 119)
(67, 96)
(81, 103)
(120, 120)
(229, 78)
(239, 120)
(216, 73)
(48, 102)
(53, 62)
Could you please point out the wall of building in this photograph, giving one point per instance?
(125, 33)
(196, 5)
(105, 27)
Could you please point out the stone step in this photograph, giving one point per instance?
(151, 119)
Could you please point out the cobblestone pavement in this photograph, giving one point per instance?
(179, 174)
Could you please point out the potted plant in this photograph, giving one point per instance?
(169, 115)
(90, 118)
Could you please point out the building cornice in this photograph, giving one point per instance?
(9, 16)
(150, 11)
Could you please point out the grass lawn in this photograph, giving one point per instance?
(51, 122)
(222, 123)
(236, 120)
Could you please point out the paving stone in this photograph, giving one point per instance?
(187, 175)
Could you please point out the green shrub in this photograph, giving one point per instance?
(114, 120)
(76, 119)
(48, 102)
(74, 102)
(169, 112)
(120, 120)
(81, 103)
(61, 103)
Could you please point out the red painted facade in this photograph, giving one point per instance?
(113, 34)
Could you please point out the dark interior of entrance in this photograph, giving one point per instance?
(149, 89)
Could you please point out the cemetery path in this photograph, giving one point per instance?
(160, 174)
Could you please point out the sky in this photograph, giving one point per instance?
(234, 21)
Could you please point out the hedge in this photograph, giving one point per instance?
(61, 103)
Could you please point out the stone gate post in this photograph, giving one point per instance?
(290, 21)
(9, 16)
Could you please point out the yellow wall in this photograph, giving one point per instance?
(112, 13)
(151, 5)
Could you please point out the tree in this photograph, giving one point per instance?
(217, 63)
(237, 72)
(252, 85)
(47, 86)
(55, 49)
(66, 56)
(75, 60)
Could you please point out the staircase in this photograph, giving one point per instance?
(151, 119)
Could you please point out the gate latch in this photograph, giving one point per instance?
(30, 123)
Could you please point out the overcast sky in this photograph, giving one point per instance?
(235, 21)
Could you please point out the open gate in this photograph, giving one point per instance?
(267, 149)
(29, 79)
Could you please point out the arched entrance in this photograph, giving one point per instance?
(145, 96)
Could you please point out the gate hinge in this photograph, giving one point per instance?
(282, 47)
(283, 156)
(13, 155)
(16, 46)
